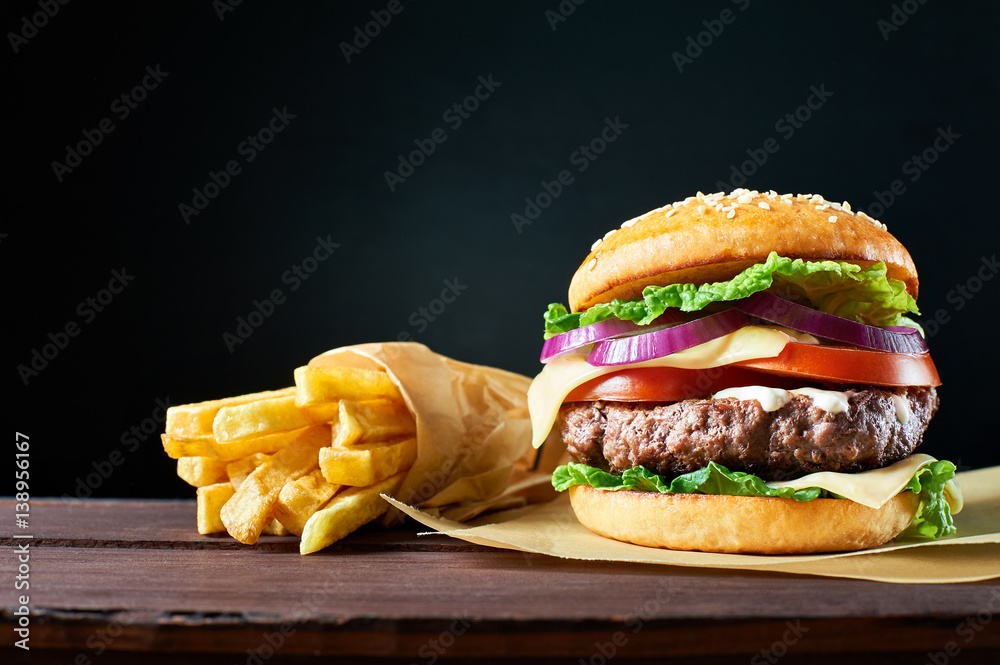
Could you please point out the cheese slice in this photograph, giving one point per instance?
(564, 373)
(873, 488)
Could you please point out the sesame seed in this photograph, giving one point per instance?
(832, 219)
(846, 206)
(763, 204)
(701, 210)
(730, 214)
(608, 234)
(672, 211)
(744, 198)
(596, 243)
(592, 264)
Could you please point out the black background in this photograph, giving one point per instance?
(890, 89)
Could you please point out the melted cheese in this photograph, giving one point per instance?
(873, 488)
(800, 337)
(564, 373)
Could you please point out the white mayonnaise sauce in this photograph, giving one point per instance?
(903, 412)
(828, 400)
(772, 399)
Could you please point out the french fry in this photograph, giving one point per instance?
(178, 448)
(276, 528)
(241, 468)
(348, 510)
(302, 497)
(310, 460)
(227, 451)
(211, 498)
(366, 463)
(238, 472)
(315, 385)
(266, 416)
(201, 471)
(374, 420)
(252, 506)
(190, 421)
(240, 448)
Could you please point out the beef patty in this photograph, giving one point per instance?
(799, 438)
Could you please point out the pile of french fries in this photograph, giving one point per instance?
(310, 460)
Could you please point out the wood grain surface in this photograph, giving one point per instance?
(110, 579)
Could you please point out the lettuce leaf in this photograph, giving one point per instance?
(712, 479)
(835, 287)
(932, 520)
(558, 320)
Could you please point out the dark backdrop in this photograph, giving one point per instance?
(694, 90)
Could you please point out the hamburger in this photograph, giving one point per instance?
(741, 373)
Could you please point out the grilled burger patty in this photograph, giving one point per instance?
(680, 437)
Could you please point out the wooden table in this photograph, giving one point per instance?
(132, 581)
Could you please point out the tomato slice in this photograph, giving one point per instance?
(668, 384)
(796, 366)
(845, 364)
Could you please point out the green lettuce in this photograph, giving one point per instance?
(712, 479)
(835, 287)
(932, 519)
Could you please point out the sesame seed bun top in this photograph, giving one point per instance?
(713, 237)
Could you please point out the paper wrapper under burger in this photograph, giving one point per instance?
(474, 449)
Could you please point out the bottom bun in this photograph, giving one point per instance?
(740, 524)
